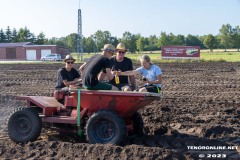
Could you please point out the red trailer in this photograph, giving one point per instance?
(104, 116)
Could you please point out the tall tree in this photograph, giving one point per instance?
(72, 42)
(140, 43)
(163, 39)
(192, 40)
(2, 36)
(29, 37)
(226, 36)
(52, 40)
(152, 43)
(8, 34)
(171, 39)
(24, 35)
(41, 39)
(61, 42)
(129, 40)
(89, 44)
(14, 36)
(210, 42)
(236, 37)
(102, 38)
(114, 41)
(33, 38)
(180, 40)
(218, 42)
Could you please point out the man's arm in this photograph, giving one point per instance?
(109, 74)
(158, 81)
(81, 68)
(127, 73)
(101, 76)
(133, 81)
(67, 83)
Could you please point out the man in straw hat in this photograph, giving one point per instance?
(90, 70)
(121, 63)
(67, 75)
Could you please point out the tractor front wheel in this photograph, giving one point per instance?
(105, 126)
(24, 125)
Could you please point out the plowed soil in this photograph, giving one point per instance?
(200, 108)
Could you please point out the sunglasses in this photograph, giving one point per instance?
(70, 62)
(121, 52)
(110, 52)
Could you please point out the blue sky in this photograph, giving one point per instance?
(58, 18)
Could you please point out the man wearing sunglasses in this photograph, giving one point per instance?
(67, 75)
(90, 70)
(121, 63)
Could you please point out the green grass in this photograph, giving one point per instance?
(217, 56)
(204, 57)
(221, 56)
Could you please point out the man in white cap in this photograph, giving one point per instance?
(67, 75)
(121, 63)
(90, 70)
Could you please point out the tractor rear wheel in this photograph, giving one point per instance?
(105, 126)
(24, 125)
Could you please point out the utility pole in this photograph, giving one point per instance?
(79, 35)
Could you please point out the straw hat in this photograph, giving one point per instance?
(121, 46)
(109, 48)
(69, 57)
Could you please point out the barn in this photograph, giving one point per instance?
(29, 51)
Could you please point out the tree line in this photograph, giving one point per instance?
(228, 37)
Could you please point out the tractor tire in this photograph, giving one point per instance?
(138, 124)
(105, 126)
(24, 125)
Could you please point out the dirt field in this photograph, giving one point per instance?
(200, 107)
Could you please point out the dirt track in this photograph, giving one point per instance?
(200, 107)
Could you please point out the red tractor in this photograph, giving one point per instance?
(103, 116)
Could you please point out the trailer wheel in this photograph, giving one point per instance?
(24, 125)
(105, 126)
(138, 124)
